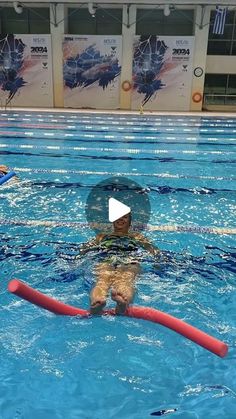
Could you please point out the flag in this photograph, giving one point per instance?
(219, 22)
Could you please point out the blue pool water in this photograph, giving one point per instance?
(57, 367)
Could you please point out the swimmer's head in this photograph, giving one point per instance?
(123, 223)
(3, 169)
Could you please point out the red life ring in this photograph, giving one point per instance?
(197, 97)
(126, 85)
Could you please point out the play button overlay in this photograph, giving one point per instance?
(115, 197)
(117, 209)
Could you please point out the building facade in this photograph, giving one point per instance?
(164, 56)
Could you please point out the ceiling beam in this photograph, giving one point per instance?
(122, 2)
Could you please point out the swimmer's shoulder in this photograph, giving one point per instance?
(100, 237)
(137, 236)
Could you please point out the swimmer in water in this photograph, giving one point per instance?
(4, 171)
(118, 269)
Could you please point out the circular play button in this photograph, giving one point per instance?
(115, 197)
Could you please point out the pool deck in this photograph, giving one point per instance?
(122, 112)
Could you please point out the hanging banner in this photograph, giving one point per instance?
(26, 70)
(91, 68)
(162, 72)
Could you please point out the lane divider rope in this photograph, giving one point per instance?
(163, 228)
(96, 136)
(101, 173)
(146, 120)
(116, 150)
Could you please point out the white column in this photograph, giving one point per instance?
(129, 16)
(200, 54)
(57, 13)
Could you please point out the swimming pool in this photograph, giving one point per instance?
(55, 367)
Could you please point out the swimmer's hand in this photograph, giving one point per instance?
(146, 244)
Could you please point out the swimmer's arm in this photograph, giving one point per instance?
(86, 247)
(146, 244)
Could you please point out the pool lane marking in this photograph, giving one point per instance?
(96, 136)
(116, 150)
(88, 172)
(41, 122)
(164, 228)
(147, 119)
(107, 128)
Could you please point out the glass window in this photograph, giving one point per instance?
(81, 22)
(223, 44)
(215, 83)
(230, 17)
(33, 20)
(230, 101)
(219, 47)
(154, 22)
(229, 22)
(228, 32)
(104, 22)
(39, 20)
(220, 89)
(13, 22)
(109, 21)
(231, 88)
(234, 48)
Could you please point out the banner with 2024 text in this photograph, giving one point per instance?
(162, 72)
(91, 71)
(26, 70)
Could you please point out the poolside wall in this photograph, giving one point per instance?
(56, 91)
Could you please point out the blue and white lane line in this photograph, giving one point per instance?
(165, 228)
(115, 149)
(79, 136)
(108, 173)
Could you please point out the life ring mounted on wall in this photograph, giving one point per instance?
(126, 86)
(197, 97)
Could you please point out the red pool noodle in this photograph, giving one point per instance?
(203, 339)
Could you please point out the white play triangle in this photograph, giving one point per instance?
(117, 209)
